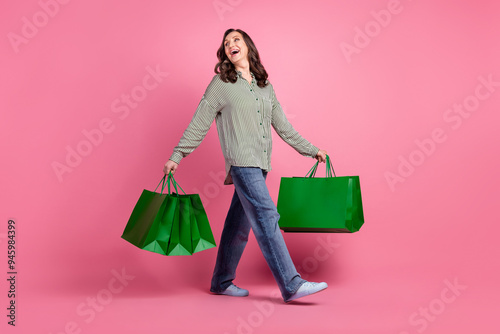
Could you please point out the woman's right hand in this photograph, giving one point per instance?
(321, 156)
(170, 166)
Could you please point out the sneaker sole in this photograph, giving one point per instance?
(227, 294)
(312, 293)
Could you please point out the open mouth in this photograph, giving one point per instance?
(235, 52)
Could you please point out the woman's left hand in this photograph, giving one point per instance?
(321, 156)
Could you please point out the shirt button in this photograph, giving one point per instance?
(265, 151)
(257, 99)
(251, 89)
(260, 123)
(263, 136)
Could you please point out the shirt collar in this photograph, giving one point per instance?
(241, 74)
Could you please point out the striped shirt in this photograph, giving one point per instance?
(243, 113)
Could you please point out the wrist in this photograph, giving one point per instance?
(176, 157)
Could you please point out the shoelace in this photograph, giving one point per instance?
(235, 287)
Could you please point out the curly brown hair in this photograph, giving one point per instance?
(226, 68)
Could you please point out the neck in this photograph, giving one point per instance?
(243, 66)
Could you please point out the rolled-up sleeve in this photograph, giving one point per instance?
(286, 131)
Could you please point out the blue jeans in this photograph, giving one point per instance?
(252, 207)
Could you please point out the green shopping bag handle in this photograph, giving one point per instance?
(169, 179)
(329, 169)
(162, 182)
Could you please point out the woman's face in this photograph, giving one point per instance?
(235, 47)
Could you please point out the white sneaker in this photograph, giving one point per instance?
(306, 289)
(234, 291)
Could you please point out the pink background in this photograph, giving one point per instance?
(368, 109)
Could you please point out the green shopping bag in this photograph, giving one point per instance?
(201, 233)
(193, 233)
(164, 223)
(146, 228)
(314, 204)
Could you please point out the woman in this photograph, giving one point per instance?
(244, 106)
